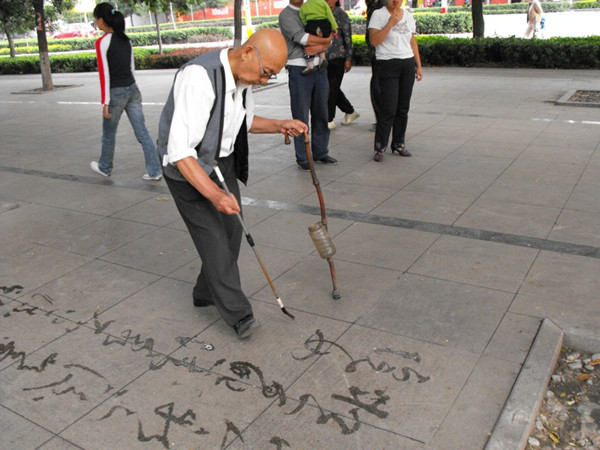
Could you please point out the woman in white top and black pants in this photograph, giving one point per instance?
(398, 64)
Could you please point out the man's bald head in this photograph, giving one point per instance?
(272, 47)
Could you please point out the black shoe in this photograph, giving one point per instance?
(323, 66)
(303, 165)
(201, 303)
(328, 160)
(246, 326)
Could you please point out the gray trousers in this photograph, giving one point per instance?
(217, 238)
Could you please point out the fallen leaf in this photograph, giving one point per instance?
(595, 362)
(554, 437)
(585, 376)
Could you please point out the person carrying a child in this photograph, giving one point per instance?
(317, 18)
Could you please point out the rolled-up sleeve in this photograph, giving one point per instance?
(193, 97)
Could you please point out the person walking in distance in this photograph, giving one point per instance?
(119, 92)
(534, 17)
(398, 64)
(339, 56)
(204, 124)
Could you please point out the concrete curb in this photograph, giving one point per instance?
(564, 100)
(514, 424)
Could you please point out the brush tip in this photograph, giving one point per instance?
(285, 311)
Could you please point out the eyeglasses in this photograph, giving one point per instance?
(263, 73)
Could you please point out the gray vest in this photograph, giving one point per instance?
(208, 149)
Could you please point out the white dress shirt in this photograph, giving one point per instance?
(193, 97)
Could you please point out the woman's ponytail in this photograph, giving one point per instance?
(112, 17)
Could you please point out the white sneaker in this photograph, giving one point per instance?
(349, 118)
(149, 178)
(331, 125)
(95, 168)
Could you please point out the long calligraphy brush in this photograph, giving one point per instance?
(251, 242)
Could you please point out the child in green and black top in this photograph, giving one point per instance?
(317, 18)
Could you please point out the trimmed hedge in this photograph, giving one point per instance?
(586, 4)
(554, 53)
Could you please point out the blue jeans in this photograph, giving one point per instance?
(128, 99)
(309, 95)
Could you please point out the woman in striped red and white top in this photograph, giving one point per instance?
(119, 92)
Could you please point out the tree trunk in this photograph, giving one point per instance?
(11, 43)
(477, 17)
(237, 23)
(38, 6)
(158, 33)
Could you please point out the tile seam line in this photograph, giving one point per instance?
(411, 224)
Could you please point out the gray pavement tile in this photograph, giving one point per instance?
(558, 154)
(308, 285)
(516, 126)
(509, 139)
(590, 174)
(101, 237)
(276, 261)
(392, 382)
(88, 290)
(289, 230)
(561, 135)
(458, 175)
(58, 443)
(18, 432)
(11, 246)
(513, 338)
(160, 210)
(18, 320)
(71, 375)
(281, 188)
(438, 146)
(442, 312)
(312, 428)
(83, 197)
(171, 407)
(273, 358)
(585, 198)
(579, 227)
(160, 314)
(563, 277)
(595, 160)
(254, 215)
(40, 224)
(23, 187)
(407, 204)
(508, 217)
(477, 407)
(476, 263)
(528, 192)
(188, 272)
(350, 196)
(382, 246)
(37, 266)
(542, 171)
(489, 147)
(160, 252)
(396, 170)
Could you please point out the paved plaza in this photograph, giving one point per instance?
(462, 270)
